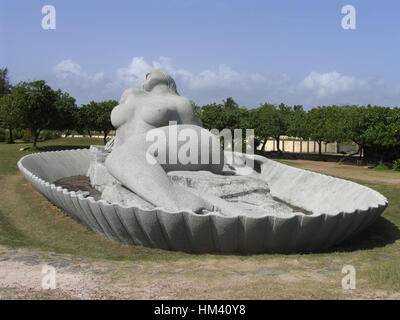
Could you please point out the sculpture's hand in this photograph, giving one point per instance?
(202, 205)
(189, 201)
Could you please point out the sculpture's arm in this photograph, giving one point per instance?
(188, 115)
(129, 164)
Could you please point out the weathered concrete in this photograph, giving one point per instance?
(339, 209)
(231, 194)
(141, 117)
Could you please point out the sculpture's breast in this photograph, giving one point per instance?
(160, 112)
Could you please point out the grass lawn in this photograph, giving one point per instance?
(30, 221)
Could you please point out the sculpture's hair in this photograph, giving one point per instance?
(160, 76)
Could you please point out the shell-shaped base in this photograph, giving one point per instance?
(339, 209)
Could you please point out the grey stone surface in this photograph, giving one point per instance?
(8, 250)
(330, 268)
(61, 264)
(177, 272)
(233, 195)
(134, 267)
(207, 272)
(28, 260)
(239, 273)
(101, 272)
(270, 272)
(356, 207)
(142, 115)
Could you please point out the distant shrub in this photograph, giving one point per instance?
(381, 167)
(26, 136)
(3, 135)
(18, 133)
(396, 165)
(49, 134)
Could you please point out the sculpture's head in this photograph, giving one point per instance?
(156, 77)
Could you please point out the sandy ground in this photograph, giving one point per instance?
(348, 171)
(214, 278)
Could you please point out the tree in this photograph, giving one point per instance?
(259, 118)
(230, 104)
(271, 121)
(8, 105)
(66, 116)
(374, 129)
(10, 113)
(38, 108)
(84, 121)
(97, 116)
(354, 126)
(5, 85)
(213, 116)
(380, 135)
(322, 125)
(297, 126)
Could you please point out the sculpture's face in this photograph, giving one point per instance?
(146, 82)
(157, 76)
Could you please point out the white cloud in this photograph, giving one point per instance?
(335, 88)
(66, 68)
(134, 72)
(223, 76)
(326, 84)
(214, 84)
(71, 70)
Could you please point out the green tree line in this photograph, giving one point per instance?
(374, 129)
(36, 106)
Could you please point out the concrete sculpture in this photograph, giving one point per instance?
(198, 206)
(143, 113)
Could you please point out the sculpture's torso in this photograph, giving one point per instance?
(144, 111)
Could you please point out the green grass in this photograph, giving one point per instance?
(381, 167)
(28, 219)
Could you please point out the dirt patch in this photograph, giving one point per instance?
(26, 280)
(347, 171)
(211, 278)
(78, 183)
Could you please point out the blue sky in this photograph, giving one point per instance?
(291, 51)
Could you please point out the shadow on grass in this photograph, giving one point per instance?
(382, 233)
(60, 147)
(308, 156)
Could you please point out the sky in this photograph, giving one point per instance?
(256, 51)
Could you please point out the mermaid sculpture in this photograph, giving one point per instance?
(159, 110)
